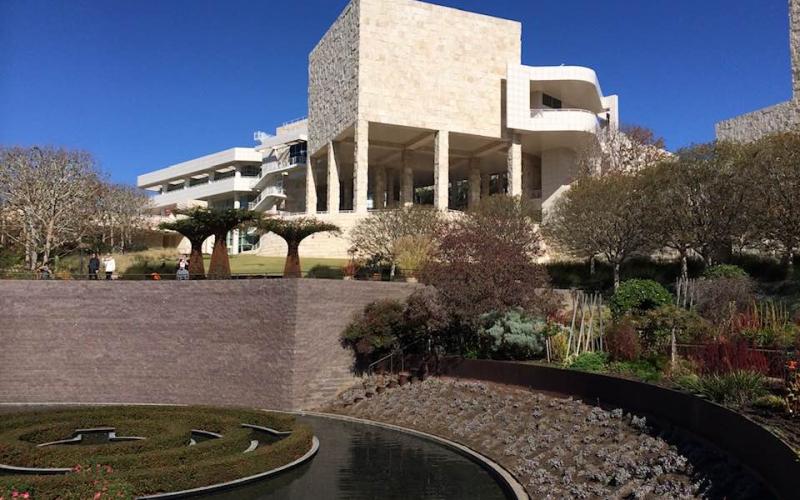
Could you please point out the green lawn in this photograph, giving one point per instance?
(164, 262)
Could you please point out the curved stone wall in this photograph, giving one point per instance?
(267, 343)
(751, 444)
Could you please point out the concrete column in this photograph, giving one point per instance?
(407, 181)
(441, 170)
(379, 188)
(515, 166)
(527, 178)
(164, 188)
(474, 182)
(311, 188)
(361, 166)
(333, 180)
(391, 201)
(235, 237)
(187, 183)
(485, 185)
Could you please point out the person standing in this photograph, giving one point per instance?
(183, 269)
(110, 266)
(94, 266)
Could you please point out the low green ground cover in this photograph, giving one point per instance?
(161, 463)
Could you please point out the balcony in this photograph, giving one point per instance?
(211, 189)
(563, 120)
(268, 192)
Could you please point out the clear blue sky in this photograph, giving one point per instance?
(147, 83)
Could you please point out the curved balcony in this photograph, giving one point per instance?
(563, 120)
(268, 193)
(275, 167)
(211, 189)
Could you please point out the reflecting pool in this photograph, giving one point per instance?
(358, 461)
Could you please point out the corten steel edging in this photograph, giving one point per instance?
(758, 449)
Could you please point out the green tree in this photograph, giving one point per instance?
(607, 215)
(776, 167)
(194, 230)
(294, 231)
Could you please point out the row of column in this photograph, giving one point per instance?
(478, 183)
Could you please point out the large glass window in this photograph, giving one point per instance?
(298, 153)
(251, 170)
(551, 102)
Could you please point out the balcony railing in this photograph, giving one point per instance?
(537, 112)
(266, 193)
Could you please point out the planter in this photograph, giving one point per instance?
(411, 279)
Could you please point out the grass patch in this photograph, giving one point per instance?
(161, 463)
(164, 262)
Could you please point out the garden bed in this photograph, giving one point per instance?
(163, 461)
(556, 446)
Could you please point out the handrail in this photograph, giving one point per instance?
(396, 351)
(537, 111)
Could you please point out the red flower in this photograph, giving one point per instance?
(792, 365)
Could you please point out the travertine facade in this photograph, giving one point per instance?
(779, 118)
(432, 67)
(333, 73)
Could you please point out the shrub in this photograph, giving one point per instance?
(726, 356)
(641, 370)
(637, 296)
(590, 362)
(326, 272)
(412, 252)
(513, 335)
(772, 403)
(374, 332)
(720, 298)
(656, 327)
(485, 261)
(424, 315)
(559, 345)
(726, 271)
(736, 388)
(622, 341)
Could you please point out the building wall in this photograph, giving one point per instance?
(333, 80)
(427, 66)
(259, 343)
(322, 245)
(752, 126)
(558, 172)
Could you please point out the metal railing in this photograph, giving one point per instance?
(398, 351)
(536, 112)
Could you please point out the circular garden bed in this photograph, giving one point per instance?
(123, 452)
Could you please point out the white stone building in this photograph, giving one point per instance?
(408, 103)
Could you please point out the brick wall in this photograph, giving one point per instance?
(270, 343)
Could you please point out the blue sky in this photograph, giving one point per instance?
(148, 83)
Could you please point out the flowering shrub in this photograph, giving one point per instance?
(735, 388)
(99, 482)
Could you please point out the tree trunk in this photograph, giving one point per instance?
(220, 266)
(592, 265)
(684, 266)
(616, 275)
(197, 269)
(292, 267)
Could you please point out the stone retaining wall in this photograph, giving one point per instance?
(270, 343)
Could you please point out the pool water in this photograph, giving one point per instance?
(359, 461)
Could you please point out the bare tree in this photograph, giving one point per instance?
(123, 213)
(620, 150)
(375, 237)
(52, 194)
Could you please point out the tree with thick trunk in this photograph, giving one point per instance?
(196, 232)
(294, 231)
(220, 222)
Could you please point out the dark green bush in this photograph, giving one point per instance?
(375, 332)
(590, 362)
(656, 326)
(725, 271)
(325, 272)
(644, 370)
(637, 296)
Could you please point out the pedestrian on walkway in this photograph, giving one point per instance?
(110, 266)
(94, 267)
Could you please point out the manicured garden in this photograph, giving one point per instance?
(162, 462)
